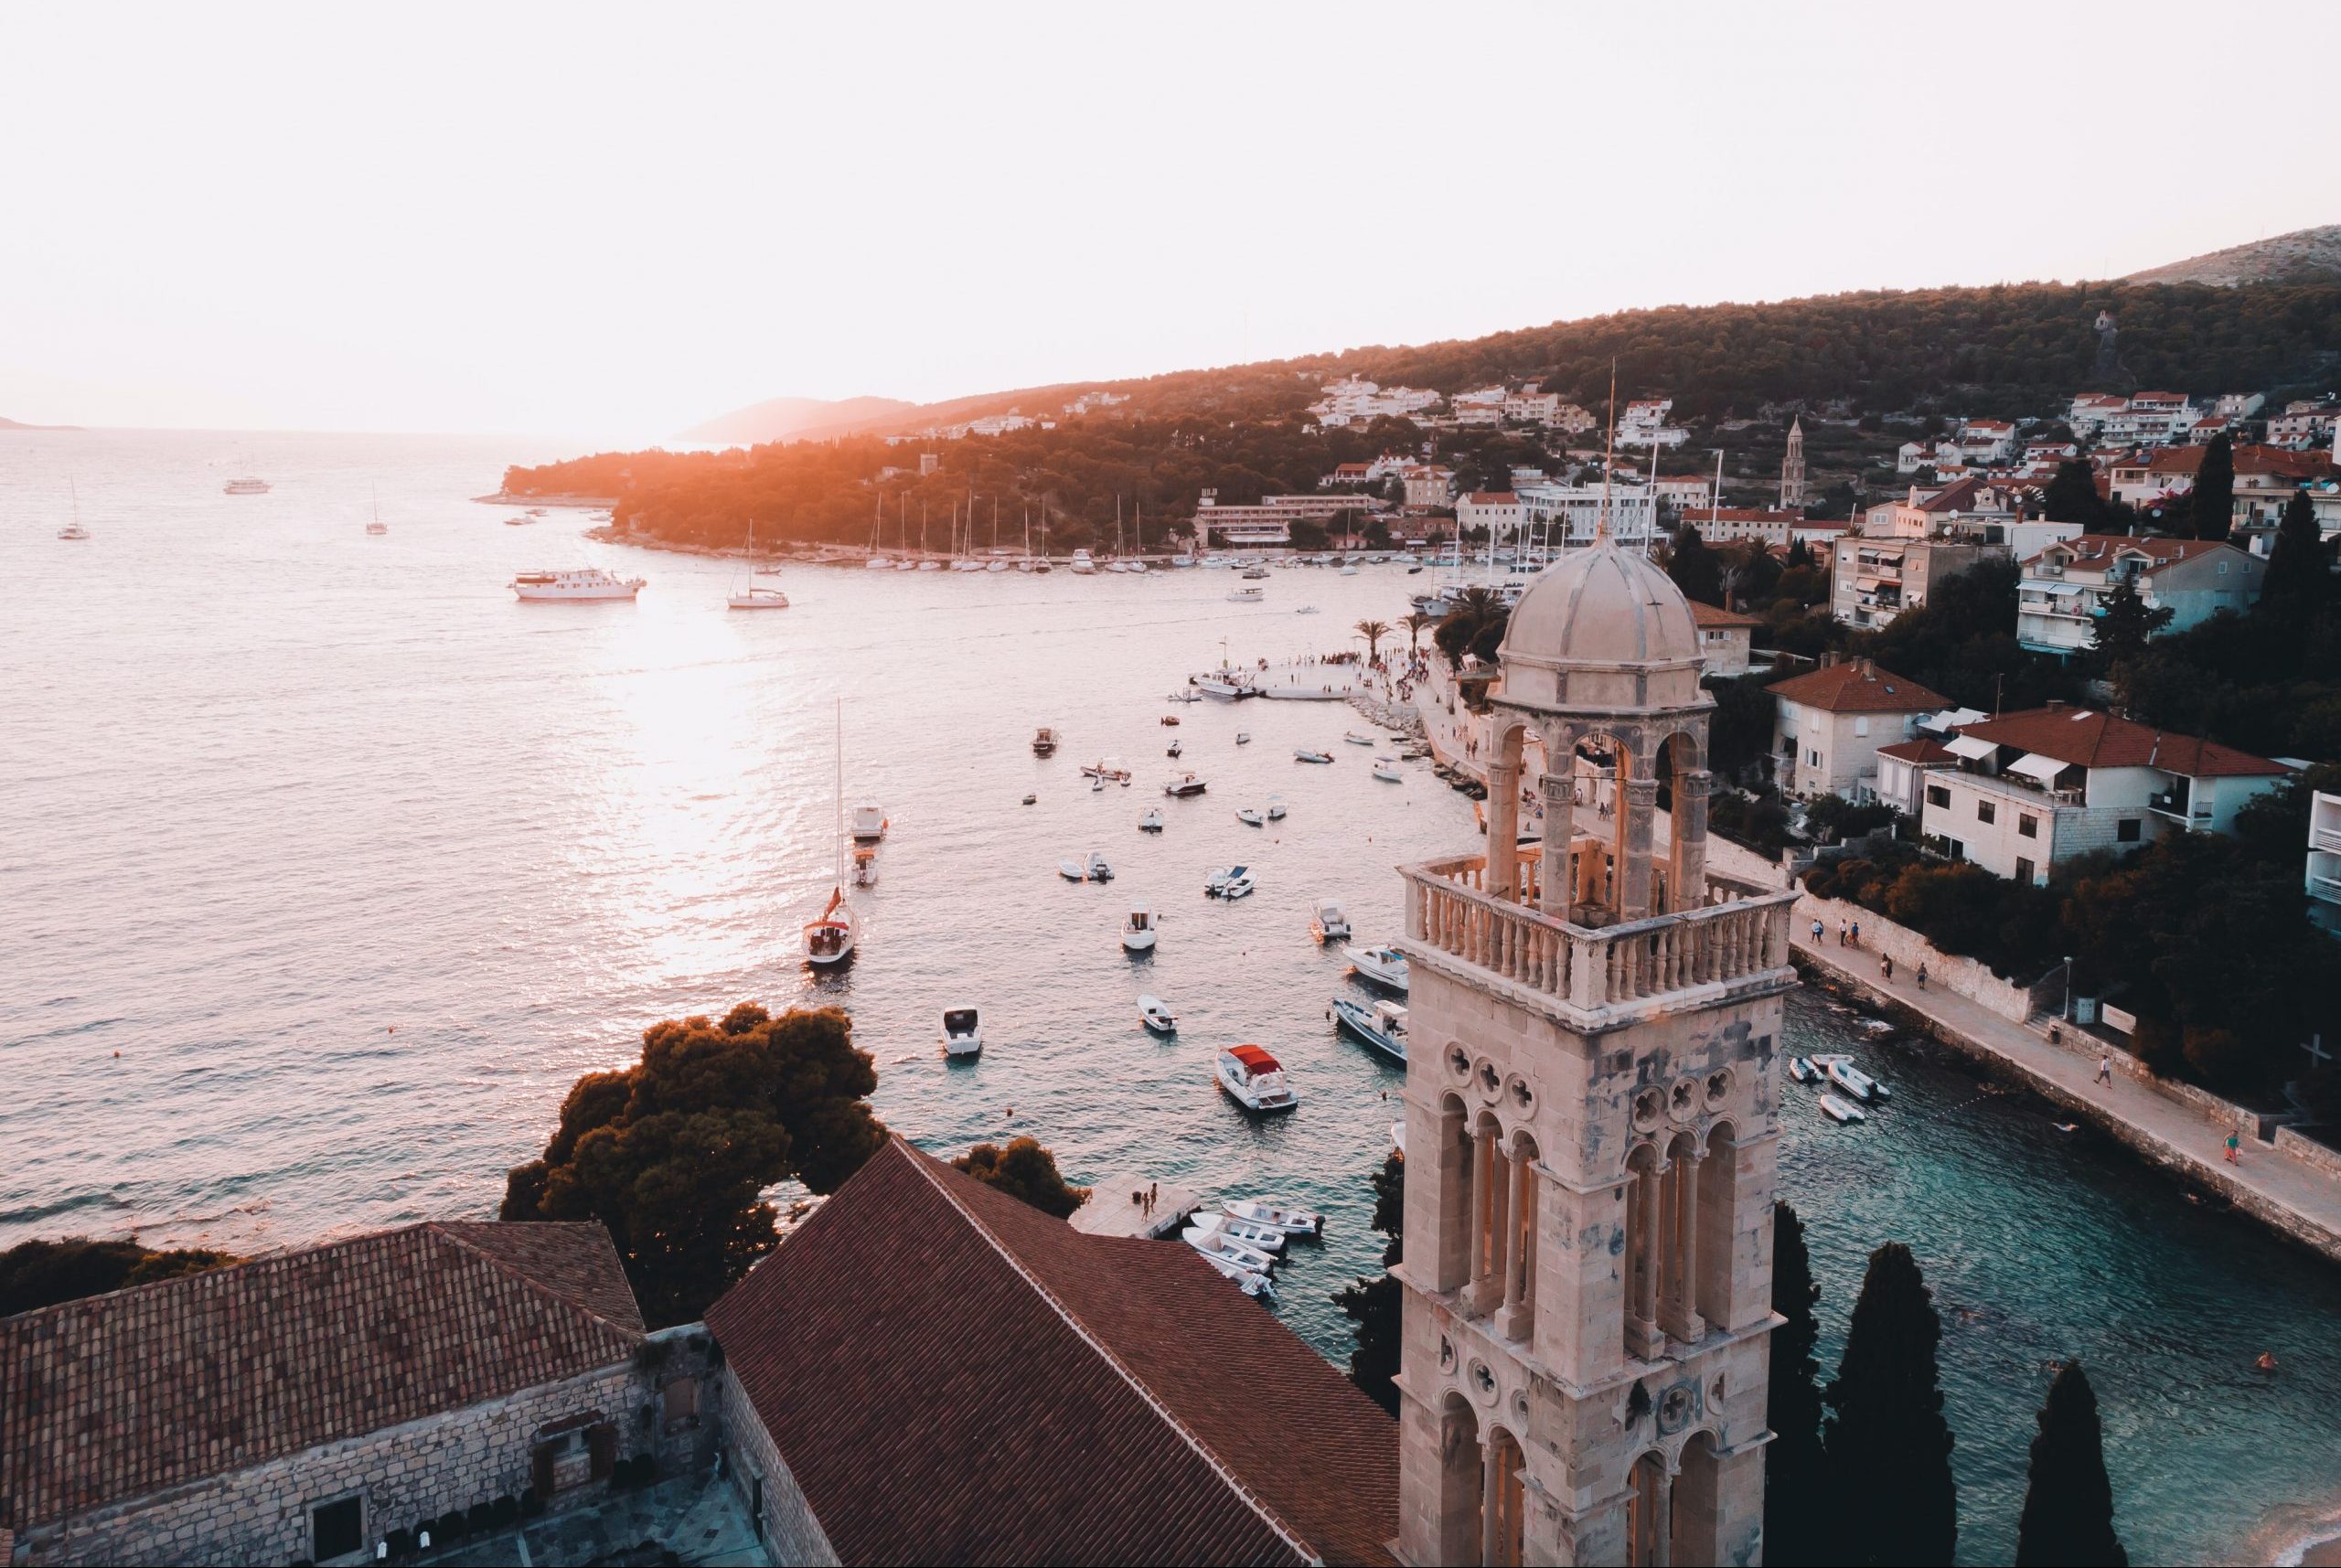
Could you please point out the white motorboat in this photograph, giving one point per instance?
(1385, 967)
(965, 564)
(1156, 1014)
(1860, 1085)
(1227, 685)
(1045, 742)
(246, 487)
(1381, 1025)
(1306, 610)
(1251, 816)
(1177, 748)
(1255, 1081)
(1243, 737)
(877, 563)
(1138, 930)
(1354, 738)
(1096, 869)
(1229, 883)
(1183, 561)
(1182, 785)
(1276, 808)
(1305, 755)
(1219, 1244)
(1386, 770)
(1258, 574)
(581, 583)
(1803, 1071)
(1150, 820)
(1248, 595)
(925, 566)
(865, 868)
(1082, 566)
(1248, 1281)
(1328, 922)
(1290, 1218)
(963, 1034)
(1838, 1110)
(870, 823)
(763, 591)
(1262, 1238)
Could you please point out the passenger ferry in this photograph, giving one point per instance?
(582, 583)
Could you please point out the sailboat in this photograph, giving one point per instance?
(761, 592)
(73, 530)
(829, 936)
(377, 527)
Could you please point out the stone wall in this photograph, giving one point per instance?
(1881, 936)
(784, 1520)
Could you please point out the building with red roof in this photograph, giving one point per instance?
(1830, 722)
(2063, 590)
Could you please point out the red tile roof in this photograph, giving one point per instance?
(1709, 616)
(953, 1376)
(1495, 498)
(2095, 553)
(2283, 463)
(1918, 752)
(119, 1396)
(1857, 686)
(2085, 738)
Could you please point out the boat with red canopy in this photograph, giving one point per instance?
(1255, 1080)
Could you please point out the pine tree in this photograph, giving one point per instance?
(2213, 502)
(1888, 1445)
(2068, 1504)
(2299, 576)
(2124, 622)
(1695, 568)
(1795, 1504)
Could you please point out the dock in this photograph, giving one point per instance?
(1115, 1208)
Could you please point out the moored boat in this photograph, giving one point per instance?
(1838, 1110)
(1276, 808)
(1385, 967)
(870, 823)
(1229, 883)
(1306, 755)
(1860, 1085)
(1045, 742)
(1291, 1219)
(1268, 1238)
(1386, 770)
(1150, 820)
(1219, 1243)
(1139, 929)
(1246, 1280)
(585, 583)
(963, 1034)
(1251, 816)
(1381, 1025)
(1182, 785)
(1354, 738)
(1329, 922)
(1255, 1081)
(1156, 1014)
(1801, 1070)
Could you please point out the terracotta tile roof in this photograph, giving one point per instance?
(2095, 553)
(1495, 498)
(1709, 616)
(953, 1376)
(2283, 463)
(1953, 498)
(1857, 686)
(2087, 738)
(118, 1396)
(1742, 514)
(1918, 752)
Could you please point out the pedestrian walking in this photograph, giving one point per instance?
(1886, 963)
(1841, 933)
(2234, 1144)
(2105, 1067)
(1816, 934)
(1922, 976)
(1857, 933)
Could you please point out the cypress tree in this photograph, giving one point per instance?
(2213, 503)
(2072, 498)
(2300, 578)
(2124, 625)
(1888, 1445)
(1794, 1471)
(1694, 567)
(2068, 1504)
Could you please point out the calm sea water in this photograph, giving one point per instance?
(327, 867)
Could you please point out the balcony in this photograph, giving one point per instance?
(1604, 975)
(2175, 804)
(2326, 890)
(2326, 839)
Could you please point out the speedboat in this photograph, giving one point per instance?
(1381, 1025)
(589, 582)
(869, 824)
(963, 1034)
(1150, 820)
(1177, 748)
(1138, 930)
(1803, 1071)
(1860, 1085)
(1248, 1281)
(1229, 883)
(1386, 770)
(1258, 573)
(1250, 817)
(1354, 738)
(1156, 1014)
(1385, 967)
(1255, 1081)
(1291, 1219)
(1098, 869)
(1219, 1243)
(1838, 1110)
(1305, 755)
(1261, 1237)
(829, 936)
(1045, 742)
(1328, 922)
(1276, 808)
(1182, 785)
(1248, 595)
(865, 868)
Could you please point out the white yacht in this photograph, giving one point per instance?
(1291, 1219)
(1255, 1081)
(1269, 1239)
(1251, 816)
(246, 487)
(1182, 785)
(761, 592)
(581, 583)
(877, 563)
(1081, 565)
(1385, 967)
(1138, 930)
(963, 1033)
(868, 823)
(1328, 922)
(1156, 1014)
(1306, 755)
(1219, 1244)
(1381, 1025)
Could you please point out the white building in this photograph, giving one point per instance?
(2304, 425)
(2035, 788)
(2324, 861)
(2064, 588)
(2144, 477)
(2143, 419)
(1568, 515)
(1643, 423)
(1986, 441)
(1481, 406)
(1830, 722)
(1727, 640)
(1353, 401)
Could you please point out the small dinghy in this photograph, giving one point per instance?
(1150, 820)
(1250, 817)
(1219, 1244)
(1276, 808)
(1073, 870)
(1860, 1085)
(1386, 770)
(1305, 755)
(1255, 1081)
(1290, 1218)
(1032, 799)
(1156, 1014)
(1138, 930)
(1354, 738)
(1838, 1110)
(1246, 1280)
(1260, 1238)
(1803, 1071)
(963, 1034)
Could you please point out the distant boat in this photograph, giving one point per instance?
(1183, 784)
(831, 936)
(1354, 738)
(377, 527)
(246, 487)
(1156, 1014)
(1381, 1025)
(577, 584)
(1251, 816)
(1138, 930)
(1255, 1081)
(1305, 755)
(1246, 596)
(1082, 566)
(73, 530)
(1276, 808)
(963, 1034)
(1385, 967)
(1045, 742)
(1230, 882)
(759, 592)
(1150, 820)
(1328, 922)
(1386, 770)
(1838, 1110)
(865, 868)
(1292, 1219)
(870, 823)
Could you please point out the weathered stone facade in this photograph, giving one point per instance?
(769, 1491)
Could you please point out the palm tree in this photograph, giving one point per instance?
(1415, 621)
(1372, 632)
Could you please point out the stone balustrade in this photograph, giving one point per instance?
(1743, 934)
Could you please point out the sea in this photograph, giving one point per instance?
(327, 867)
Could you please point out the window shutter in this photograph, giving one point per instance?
(542, 1478)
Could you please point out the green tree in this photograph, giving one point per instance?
(674, 1153)
(1888, 1445)
(1416, 622)
(1695, 568)
(1371, 1305)
(2211, 504)
(1377, 533)
(1308, 533)
(2124, 623)
(1372, 632)
(1798, 1496)
(1475, 626)
(1800, 554)
(2300, 573)
(38, 1273)
(1025, 1169)
(2068, 1517)
(2072, 498)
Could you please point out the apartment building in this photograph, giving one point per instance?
(2063, 589)
(2324, 861)
(1829, 724)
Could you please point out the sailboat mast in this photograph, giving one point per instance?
(836, 836)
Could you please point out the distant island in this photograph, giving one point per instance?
(19, 424)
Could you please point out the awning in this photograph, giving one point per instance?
(2033, 766)
(2062, 589)
(1969, 747)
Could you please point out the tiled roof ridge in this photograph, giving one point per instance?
(225, 1271)
(924, 1165)
(558, 1298)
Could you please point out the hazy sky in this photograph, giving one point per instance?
(612, 223)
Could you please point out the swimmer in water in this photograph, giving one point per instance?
(2266, 1363)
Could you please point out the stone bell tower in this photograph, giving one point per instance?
(1592, 1112)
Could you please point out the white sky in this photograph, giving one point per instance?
(613, 223)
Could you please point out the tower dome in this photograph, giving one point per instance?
(1602, 628)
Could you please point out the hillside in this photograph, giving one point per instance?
(13, 424)
(784, 419)
(2304, 256)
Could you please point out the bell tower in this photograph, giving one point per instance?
(1792, 470)
(1591, 1113)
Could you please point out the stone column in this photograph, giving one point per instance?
(1684, 1322)
(1690, 837)
(1439, 1493)
(1555, 882)
(1642, 1336)
(1499, 1237)
(1504, 828)
(1638, 812)
(1440, 1203)
(1518, 1313)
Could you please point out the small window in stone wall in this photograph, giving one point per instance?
(681, 1402)
(337, 1529)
